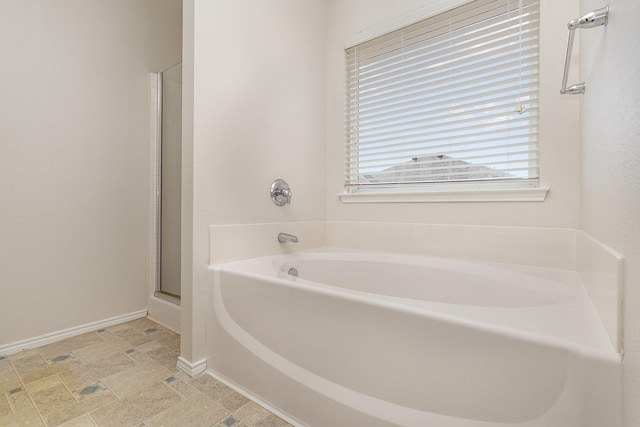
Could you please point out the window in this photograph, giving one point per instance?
(449, 100)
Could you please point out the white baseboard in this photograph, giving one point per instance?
(252, 396)
(165, 313)
(15, 347)
(192, 369)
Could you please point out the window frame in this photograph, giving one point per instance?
(445, 191)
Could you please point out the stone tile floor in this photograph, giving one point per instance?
(123, 375)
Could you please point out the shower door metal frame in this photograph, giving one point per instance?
(159, 293)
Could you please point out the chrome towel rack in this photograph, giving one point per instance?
(595, 18)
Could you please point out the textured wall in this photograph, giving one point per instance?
(610, 189)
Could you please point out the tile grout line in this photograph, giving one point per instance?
(110, 389)
(67, 387)
(11, 407)
(184, 389)
(76, 400)
(201, 393)
(188, 385)
(231, 413)
(24, 387)
(144, 421)
(78, 357)
(88, 414)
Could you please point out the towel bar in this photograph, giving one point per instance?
(592, 19)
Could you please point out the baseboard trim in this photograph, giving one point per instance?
(165, 313)
(15, 347)
(252, 396)
(192, 369)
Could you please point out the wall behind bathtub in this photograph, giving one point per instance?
(610, 189)
(559, 129)
(75, 158)
(253, 111)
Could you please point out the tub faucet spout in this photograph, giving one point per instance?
(284, 237)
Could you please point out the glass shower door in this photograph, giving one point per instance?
(170, 170)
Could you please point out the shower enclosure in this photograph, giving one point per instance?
(169, 171)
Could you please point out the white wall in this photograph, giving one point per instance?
(257, 110)
(74, 162)
(610, 189)
(559, 139)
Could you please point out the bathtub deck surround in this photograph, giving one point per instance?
(234, 242)
(421, 341)
(602, 271)
(121, 375)
(600, 267)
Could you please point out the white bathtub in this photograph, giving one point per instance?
(377, 339)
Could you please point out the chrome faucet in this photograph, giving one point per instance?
(284, 237)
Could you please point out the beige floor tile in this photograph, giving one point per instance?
(210, 387)
(137, 337)
(23, 418)
(91, 391)
(196, 412)
(146, 347)
(70, 344)
(24, 413)
(22, 354)
(251, 413)
(9, 383)
(174, 369)
(137, 407)
(135, 378)
(28, 361)
(90, 398)
(5, 408)
(58, 364)
(114, 328)
(66, 359)
(50, 395)
(8, 377)
(93, 372)
(5, 366)
(233, 401)
(83, 421)
(272, 420)
(142, 324)
(19, 399)
(180, 387)
(108, 335)
(124, 332)
(102, 350)
(230, 422)
(162, 355)
(141, 358)
(124, 375)
(172, 342)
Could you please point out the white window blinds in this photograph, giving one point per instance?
(452, 98)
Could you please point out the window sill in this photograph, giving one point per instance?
(529, 194)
